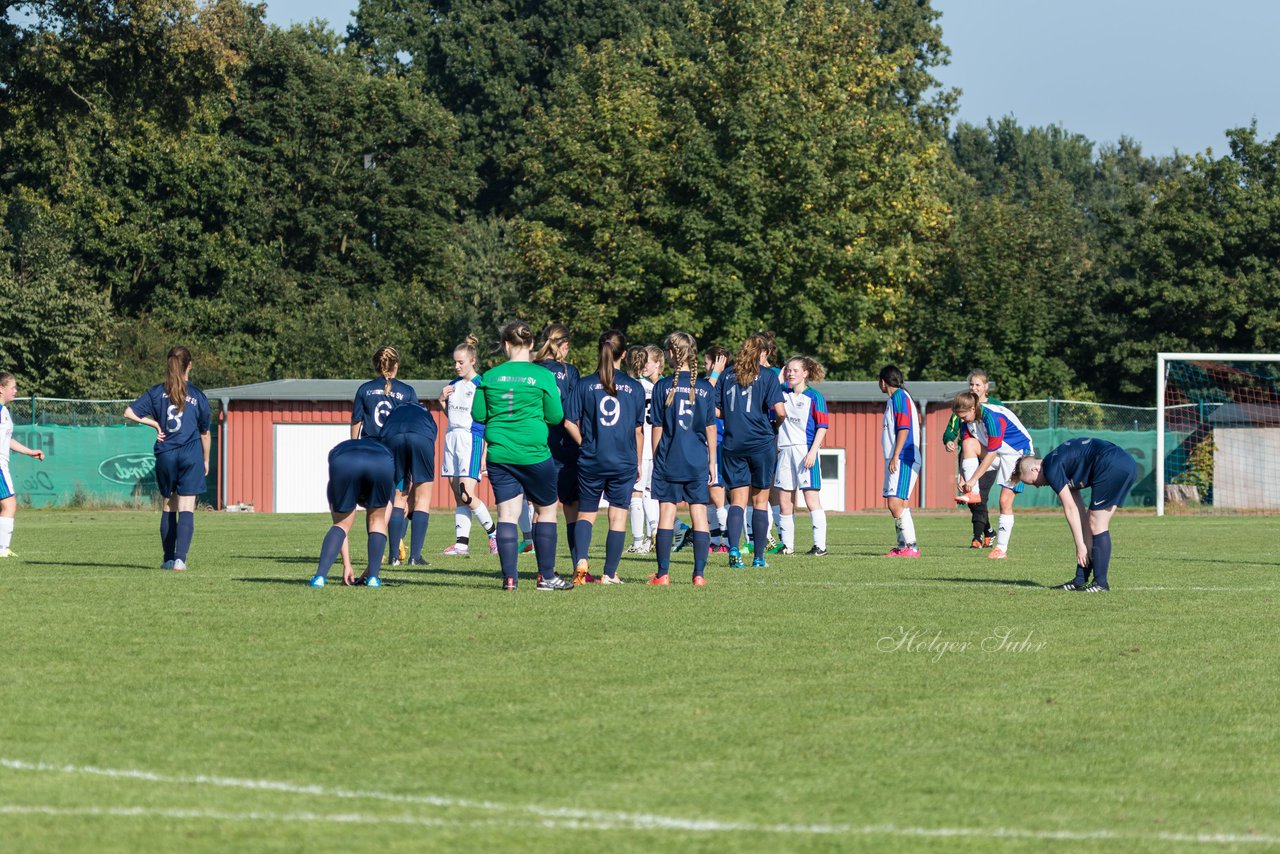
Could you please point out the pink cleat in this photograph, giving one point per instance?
(997, 554)
(969, 498)
(458, 550)
(904, 551)
(493, 545)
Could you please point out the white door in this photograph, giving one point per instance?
(302, 465)
(832, 492)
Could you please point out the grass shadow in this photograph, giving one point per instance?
(86, 564)
(1008, 582)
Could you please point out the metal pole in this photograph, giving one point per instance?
(1160, 368)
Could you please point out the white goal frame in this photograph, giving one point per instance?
(1162, 360)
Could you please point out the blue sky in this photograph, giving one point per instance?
(1172, 74)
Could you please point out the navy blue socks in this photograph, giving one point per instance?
(377, 546)
(701, 548)
(544, 546)
(330, 549)
(508, 548)
(613, 546)
(663, 543)
(734, 525)
(1101, 557)
(168, 533)
(186, 530)
(582, 531)
(760, 531)
(419, 521)
(395, 530)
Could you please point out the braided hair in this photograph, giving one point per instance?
(682, 349)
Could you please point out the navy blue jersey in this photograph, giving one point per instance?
(746, 412)
(372, 405)
(562, 446)
(180, 428)
(608, 423)
(682, 454)
(409, 419)
(1079, 462)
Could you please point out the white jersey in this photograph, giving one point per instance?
(648, 421)
(6, 435)
(458, 406)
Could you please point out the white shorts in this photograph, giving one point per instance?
(1004, 466)
(6, 483)
(461, 455)
(646, 477)
(900, 483)
(791, 473)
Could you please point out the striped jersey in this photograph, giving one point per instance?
(900, 414)
(458, 407)
(806, 415)
(998, 429)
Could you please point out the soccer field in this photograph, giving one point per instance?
(847, 702)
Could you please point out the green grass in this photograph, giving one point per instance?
(456, 716)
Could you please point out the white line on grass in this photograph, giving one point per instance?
(552, 818)
(994, 583)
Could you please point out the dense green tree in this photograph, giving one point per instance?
(779, 180)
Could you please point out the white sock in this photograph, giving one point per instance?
(482, 516)
(722, 520)
(746, 524)
(637, 519)
(819, 520)
(908, 528)
(776, 511)
(462, 522)
(651, 515)
(968, 467)
(6, 531)
(897, 525)
(526, 520)
(787, 531)
(1004, 530)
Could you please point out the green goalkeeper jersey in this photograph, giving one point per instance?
(515, 402)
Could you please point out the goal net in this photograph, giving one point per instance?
(1218, 432)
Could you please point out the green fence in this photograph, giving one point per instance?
(1052, 422)
(92, 455)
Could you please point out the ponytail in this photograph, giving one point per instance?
(553, 335)
(176, 364)
(385, 362)
(746, 366)
(817, 373)
(613, 346)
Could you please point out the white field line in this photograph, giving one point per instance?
(906, 582)
(552, 818)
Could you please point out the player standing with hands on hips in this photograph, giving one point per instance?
(8, 492)
(1110, 472)
(179, 413)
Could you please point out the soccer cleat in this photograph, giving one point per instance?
(458, 550)
(610, 579)
(581, 575)
(722, 549)
(179, 565)
(904, 551)
(402, 554)
(168, 564)
(366, 581)
(777, 549)
(977, 543)
(816, 552)
(988, 540)
(317, 581)
(896, 551)
(769, 542)
(1070, 585)
(969, 498)
(759, 563)
(493, 545)
(555, 582)
(634, 548)
(508, 584)
(699, 581)
(1094, 588)
(656, 580)
(735, 559)
(417, 561)
(396, 561)
(682, 537)
(997, 554)
(7, 552)
(526, 546)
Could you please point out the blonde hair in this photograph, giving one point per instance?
(176, 364)
(636, 358)
(976, 373)
(683, 350)
(469, 347)
(385, 362)
(964, 401)
(812, 367)
(553, 335)
(1016, 477)
(746, 365)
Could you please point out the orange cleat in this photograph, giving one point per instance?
(656, 580)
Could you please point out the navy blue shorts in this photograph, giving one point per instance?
(535, 482)
(414, 455)
(673, 492)
(616, 487)
(750, 469)
(1119, 471)
(181, 472)
(566, 479)
(358, 478)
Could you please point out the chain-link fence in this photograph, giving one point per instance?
(93, 456)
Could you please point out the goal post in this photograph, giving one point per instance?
(1218, 431)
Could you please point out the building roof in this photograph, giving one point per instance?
(1246, 415)
(856, 392)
